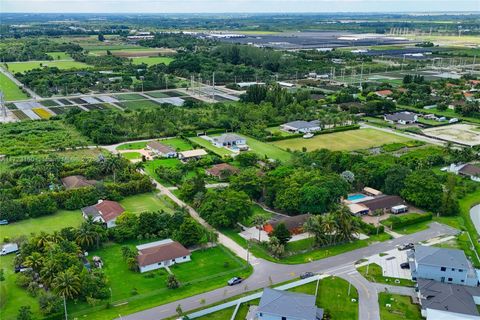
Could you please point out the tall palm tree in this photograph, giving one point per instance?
(42, 240)
(329, 227)
(86, 236)
(34, 261)
(314, 226)
(66, 284)
(348, 225)
(259, 221)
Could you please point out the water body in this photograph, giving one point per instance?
(475, 216)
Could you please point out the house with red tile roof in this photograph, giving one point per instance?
(384, 93)
(105, 211)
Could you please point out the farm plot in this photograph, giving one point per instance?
(59, 110)
(49, 103)
(140, 104)
(42, 113)
(129, 96)
(466, 134)
(345, 141)
(59, 55)
(20, 115)
(21, 67)
(97, 106)
(152, 60)
(65, 102)
(10, 89)
(157, 94)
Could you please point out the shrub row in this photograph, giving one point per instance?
(395, 222)
(369, 229)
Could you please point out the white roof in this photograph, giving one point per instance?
(375, 192)
(402, 206)
(356, 207)
(154, 244)
(433, 314)
(193, 153)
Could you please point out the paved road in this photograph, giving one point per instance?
(267, 273)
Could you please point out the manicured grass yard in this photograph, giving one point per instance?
(21, 67)
(10, 90)
(266, 149)
(147, 202)
(346, 140)
(375, 274)
(401, 307)
(61, 219)
(208, 145)
(131, 155)
(132, 145)
(205, 272)
(150, 167)
(178, 144)
(152, 60)
(333, 297)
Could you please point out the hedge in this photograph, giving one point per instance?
(369, 229)
(395, 222)
(326, 131)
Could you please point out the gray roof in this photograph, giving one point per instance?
(300, 124)
(289, 304)
(160, 147)
(442, 257)
(228, 138)
(405, 116)
(448, 297)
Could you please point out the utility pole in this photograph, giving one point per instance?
(2, 105)
(213, 86)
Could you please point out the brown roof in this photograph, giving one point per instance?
(109, 210)
(292, 222)
(217, 169)
(162, 252)
(384, 202)
(470, 170)
(73, 182)
(384, 92)
(160, 147)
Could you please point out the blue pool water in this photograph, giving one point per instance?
(355, 197)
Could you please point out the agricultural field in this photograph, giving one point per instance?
(129, 96)
(140, 104)
(151, 60)
(42, 113)
(345, 141)
(134, 52)
(21, 67)
(10, 90)
(60, 55)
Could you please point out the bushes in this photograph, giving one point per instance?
(369, 229)
(395, 222)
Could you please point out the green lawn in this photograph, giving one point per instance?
(132, 145)
(208, 145)
(129, 96)
(61, 219)
(10, 90)
(277, 131)
(375, 274)
(345, 141)
(413, 228)
(150, 167)
(147, 202)
(59, 55)
(21, 67)
(152, 60)
(269, 150)
(140, 104)
(178, 144)
(131, 155)
(205, 272)
(257, 211)
(446, 113)
(333, 297)
(466, 203)
(401, 307)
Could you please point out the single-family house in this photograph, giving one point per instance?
(445, 301)
(294, 224)
(358, 209)
(105, 211)
(222, 170)
(229, 140)
(383, 202)
(77, 181)
(161, 254)
(301, 126)
(285, 305)
(403, 117)
(442, 265)
(192, 154)
(384, 93)
(161, 149)
(467, 170)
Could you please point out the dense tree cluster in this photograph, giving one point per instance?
(33, 49)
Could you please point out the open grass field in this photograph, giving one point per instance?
(134, 52)
(10, 90)
(131, 155)
(205, 272)
(147, 202)
(61, 219)
(152, 60)
(208, 145)
(345, 141)
(132, 145)
(268, 150)
(401, 307)
(21, 67)
(333, 297)
(59, 55)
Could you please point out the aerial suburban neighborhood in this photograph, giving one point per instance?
(231, 160)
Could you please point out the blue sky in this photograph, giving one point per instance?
(216, 6)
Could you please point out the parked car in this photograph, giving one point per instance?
(234, 281)
(405, 265)
(306, 275)
(3, 222)
(407, 246)
(9, 248)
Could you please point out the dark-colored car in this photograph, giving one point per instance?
(234, 281)
(405, 265)
(306, 275)
(407, 246)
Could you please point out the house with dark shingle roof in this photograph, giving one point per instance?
(301, 126)
(105, 211)
(280, 305)
(161, 149)
(222, 170)
(467, 170)
(442, 301)
(442, 265)
(161, 254)
(77, 181)
(403, 117)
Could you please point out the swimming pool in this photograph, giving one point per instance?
(356, 197)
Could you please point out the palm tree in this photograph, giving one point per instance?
(34, 261)
(47, 273)
(329, 227)
(86, 236)
(348, 225)
(42, 240)
(259, 221)
(314, 226)
(66, 284)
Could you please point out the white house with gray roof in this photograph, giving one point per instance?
(442, 265)
(229, 140)
(284, 305)
(300, 126)
(403, 117)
